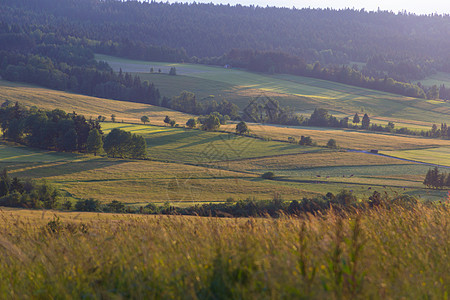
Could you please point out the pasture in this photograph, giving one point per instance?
(138, 182)
(302, 94)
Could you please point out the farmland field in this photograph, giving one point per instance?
(345, 138)
(197, 146)
(192, 166)
(438, 156)
(300, 93)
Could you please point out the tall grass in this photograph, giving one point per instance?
(372, 254)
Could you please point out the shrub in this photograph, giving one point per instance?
(305, 141)
(268, 175)
(87, 205)
(332, 144)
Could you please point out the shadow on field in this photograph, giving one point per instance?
(66, 168)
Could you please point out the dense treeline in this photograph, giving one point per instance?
(52, 130)
(250, 207)
(402, 46)
(32, 55)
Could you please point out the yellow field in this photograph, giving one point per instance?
(143, 182)
(311, 160)
(85, 105)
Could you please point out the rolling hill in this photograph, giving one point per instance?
(302, 94)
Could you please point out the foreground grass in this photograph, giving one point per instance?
(395, 253)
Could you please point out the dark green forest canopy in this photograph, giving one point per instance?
(385, 39)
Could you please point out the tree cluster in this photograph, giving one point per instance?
(437, 179)
(52, 130)
(123, 144)
(17, 192)
(187, 102)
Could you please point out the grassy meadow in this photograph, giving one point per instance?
(302, 94)
(390, 254)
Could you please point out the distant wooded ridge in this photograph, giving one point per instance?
(61, 36)
(401, 46)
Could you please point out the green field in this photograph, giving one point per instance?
(301, 93)
(194, 166)
(438, 156)
(197, 146)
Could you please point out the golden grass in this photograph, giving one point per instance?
(379, 254)
(350, 139)
(85, 105)
(310, 160)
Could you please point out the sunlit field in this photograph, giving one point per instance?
(85, 105)
(300, 93)
(348, 139)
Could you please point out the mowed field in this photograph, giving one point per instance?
(199, 147)
(300, 93)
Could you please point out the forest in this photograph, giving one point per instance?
(52, 44)
(403, 44)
